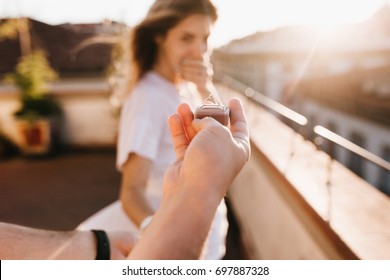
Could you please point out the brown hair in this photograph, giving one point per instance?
(162, 16)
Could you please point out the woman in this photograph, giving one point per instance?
(170, 66)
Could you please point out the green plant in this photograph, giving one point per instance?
(31, 75)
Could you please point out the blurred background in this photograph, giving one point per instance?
(314, 77)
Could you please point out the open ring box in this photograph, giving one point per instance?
(217, 111)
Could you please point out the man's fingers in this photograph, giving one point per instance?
(187, 117)
(238, 123)
(239, 126)
(184, 127)
(179, 138)
(200, 124)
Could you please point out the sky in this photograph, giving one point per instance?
(237, 18)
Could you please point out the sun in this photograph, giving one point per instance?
(242, 18)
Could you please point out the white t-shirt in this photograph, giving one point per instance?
(144, 130)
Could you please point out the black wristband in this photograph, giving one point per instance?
(103, 245)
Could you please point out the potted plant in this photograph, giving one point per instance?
(38, 115)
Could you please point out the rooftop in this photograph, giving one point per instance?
(373, 34)
(60, 42)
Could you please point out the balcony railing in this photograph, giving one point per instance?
(293, 201)
(335, 138)
(302, 121)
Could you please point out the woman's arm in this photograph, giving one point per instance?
(135, 175)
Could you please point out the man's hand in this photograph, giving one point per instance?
(209, 156)
(214, 157)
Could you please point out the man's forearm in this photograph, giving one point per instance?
(17, 242)
(179, 228)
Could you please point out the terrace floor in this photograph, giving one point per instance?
(61, 191)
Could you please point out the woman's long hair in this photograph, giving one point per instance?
(162, 16)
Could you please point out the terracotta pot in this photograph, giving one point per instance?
(36, 137)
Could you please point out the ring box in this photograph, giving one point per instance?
(216, 111)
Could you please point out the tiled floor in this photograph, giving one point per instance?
(60, 192)
(57, 192)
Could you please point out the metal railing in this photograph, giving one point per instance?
(265, 100)
(337, 139)
(301, 120)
